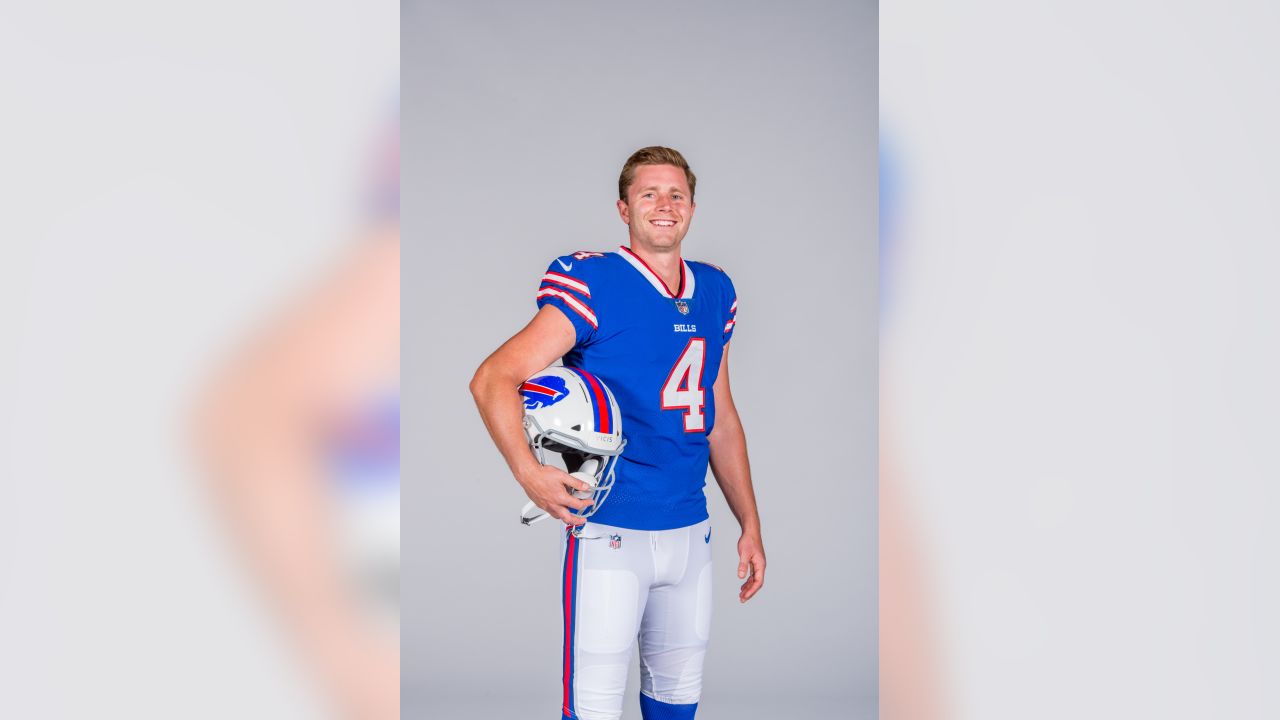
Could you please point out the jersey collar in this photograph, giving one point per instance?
(684, 292)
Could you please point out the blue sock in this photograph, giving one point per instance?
(651, 709)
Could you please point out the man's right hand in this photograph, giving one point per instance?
(549, 488)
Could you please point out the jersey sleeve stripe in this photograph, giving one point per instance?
(566, 281)
(729, 325)
(734, 307)
(547, 284)
(574, 303)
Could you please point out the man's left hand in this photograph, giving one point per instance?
(750, 565)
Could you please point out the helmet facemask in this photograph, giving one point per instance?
(579, 459)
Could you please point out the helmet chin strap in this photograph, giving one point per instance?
(531, 514)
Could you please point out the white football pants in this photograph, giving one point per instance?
(620, 585)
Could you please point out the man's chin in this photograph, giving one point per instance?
(661, 242)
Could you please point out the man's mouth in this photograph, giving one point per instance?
(663, 223)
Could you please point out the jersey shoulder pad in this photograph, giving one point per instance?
(713, 266)
(575, 272)
(709, 269)
(575, 263)
(568, 284)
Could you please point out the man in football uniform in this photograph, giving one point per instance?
(656, 329)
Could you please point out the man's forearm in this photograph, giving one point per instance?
(732, 471)
(502, 411)
(548, 336)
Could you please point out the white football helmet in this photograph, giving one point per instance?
(572, 412)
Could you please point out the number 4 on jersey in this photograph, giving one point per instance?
(683, 388)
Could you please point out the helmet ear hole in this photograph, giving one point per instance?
(573, 460)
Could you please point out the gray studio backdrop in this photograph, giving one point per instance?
(517, 118)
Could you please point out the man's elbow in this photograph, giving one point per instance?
(495, 377)
(484, 380)
(478, 381)
(728, 431)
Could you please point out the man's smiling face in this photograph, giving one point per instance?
(658, 207)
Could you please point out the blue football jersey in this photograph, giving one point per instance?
(659, 351)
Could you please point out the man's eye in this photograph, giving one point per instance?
(677, 197)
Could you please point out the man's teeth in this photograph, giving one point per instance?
(663, 223)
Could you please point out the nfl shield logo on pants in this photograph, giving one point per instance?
(615, 541)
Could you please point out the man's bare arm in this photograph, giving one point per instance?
(495, 388)
(732, 471)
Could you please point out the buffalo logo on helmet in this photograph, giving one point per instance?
(543, 391)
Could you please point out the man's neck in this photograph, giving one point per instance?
(665, 264)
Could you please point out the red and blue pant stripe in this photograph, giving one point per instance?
(570, 601)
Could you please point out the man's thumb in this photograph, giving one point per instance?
(742, 570)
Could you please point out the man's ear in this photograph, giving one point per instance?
(624, 211)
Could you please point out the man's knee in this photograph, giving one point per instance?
(600, 686)
(674, 674)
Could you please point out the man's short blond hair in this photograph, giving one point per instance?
(653, 155)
